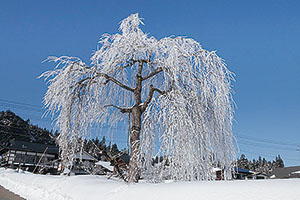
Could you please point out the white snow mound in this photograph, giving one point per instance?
(47, 187)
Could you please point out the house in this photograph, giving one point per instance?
(286, 172)
(83, 164)
(242, 174)
(26, 146)
(260, 175)
(30, 156)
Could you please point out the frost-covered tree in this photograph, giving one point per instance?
(170, 88)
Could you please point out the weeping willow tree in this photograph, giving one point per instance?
(171, 89)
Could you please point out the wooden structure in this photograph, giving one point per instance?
(120, 163)
(218, 174)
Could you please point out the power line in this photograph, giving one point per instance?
(268, 155)
(19, 103)
(267, 140)
(38, 118)
(20, 107)
(267, 147)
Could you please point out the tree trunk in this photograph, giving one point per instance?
(134, 169)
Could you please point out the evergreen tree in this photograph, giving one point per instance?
(102, 143)
(260, 165)
(14, 127)
(279, 162)
(243, 162)
(114, 150)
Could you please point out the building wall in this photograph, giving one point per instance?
(28, 160)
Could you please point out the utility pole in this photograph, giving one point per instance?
(299, 151)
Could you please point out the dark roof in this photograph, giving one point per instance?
(125, 158)
(287, 172)
(241, 170)
(84, 156)
(33, 147)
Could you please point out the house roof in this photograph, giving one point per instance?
(215, 169)
(84, 156)
(125, 158)
(260, 174)
(241, 170)
(106, 165)
(32, 147)
(286, 172)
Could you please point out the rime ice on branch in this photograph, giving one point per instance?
(171, 88)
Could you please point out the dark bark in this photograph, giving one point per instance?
(137, 111)
(134, 169)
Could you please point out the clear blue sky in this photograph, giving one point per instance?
(258, 39)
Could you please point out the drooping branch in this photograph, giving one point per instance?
(82, 65)
(122, 110)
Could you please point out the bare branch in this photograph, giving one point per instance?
(81, 83)
(122, 110)
(132, 62)
(165, 91)
(148, 100)
(158, 70)
(151, 92)
(109, 78)
(82, 80)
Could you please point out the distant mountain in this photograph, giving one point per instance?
(14, 127)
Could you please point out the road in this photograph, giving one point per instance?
(7, 195)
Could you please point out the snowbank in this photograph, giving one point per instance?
(37, 187)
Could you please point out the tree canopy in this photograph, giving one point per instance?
(170, 88)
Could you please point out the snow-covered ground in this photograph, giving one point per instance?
(44, 187)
